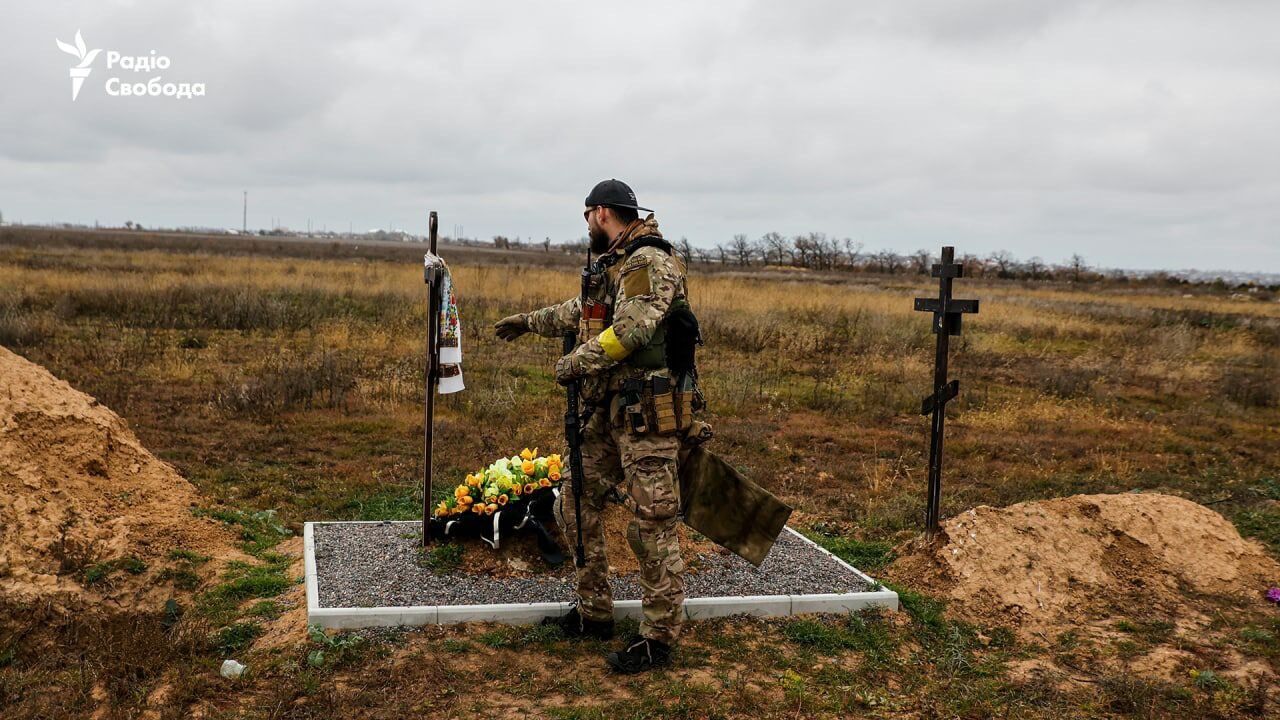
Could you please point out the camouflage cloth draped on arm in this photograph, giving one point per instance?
(556, 320)
(650, 280)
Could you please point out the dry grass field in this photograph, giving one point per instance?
(289, 379)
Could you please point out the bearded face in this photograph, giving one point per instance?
(600, 240)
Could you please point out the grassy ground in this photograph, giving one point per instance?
(291, 382)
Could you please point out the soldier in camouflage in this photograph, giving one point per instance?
(629, 452)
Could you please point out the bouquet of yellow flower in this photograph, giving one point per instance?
(511, 495)
(506, 482)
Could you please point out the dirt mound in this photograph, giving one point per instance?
(1048, 565)
(87, 515)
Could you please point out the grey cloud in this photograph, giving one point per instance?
(1129, 131)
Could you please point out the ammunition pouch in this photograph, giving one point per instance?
(597, 307)
(667, 399)
(633, 401)
(593, 321)
(656, 404)
(663, 405)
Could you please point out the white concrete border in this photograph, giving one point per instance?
(699, 608)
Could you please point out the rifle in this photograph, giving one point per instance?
(573, 426)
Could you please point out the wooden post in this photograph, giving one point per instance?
(947, 312)
(431, 276)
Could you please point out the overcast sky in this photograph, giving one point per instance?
(1139, 134)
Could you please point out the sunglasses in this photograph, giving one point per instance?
(587, 214)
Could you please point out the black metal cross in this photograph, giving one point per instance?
(947, 312)
(431, 276)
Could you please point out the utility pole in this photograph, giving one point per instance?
(244, 220)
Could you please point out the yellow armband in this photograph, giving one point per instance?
(612, 345)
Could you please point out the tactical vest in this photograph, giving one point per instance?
(673, 342)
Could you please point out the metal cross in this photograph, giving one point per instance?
(431, 275)
(947, 312)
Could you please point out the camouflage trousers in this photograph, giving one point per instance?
(641, 469)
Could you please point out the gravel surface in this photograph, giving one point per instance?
(375, 565)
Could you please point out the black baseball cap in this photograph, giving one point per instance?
(613, 193)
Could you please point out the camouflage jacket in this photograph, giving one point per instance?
(637, 291)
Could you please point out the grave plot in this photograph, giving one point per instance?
(364, 574)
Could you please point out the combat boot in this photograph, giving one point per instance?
(574, 625)
(640, 655)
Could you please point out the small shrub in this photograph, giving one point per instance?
(182, 578)
(101, 571)
(241, 582)
(259, 530)
(1263, 525)
(246, 581)
(862, 632)
(402, 505)
(192, 342)
(234, 638)
(182, 574)
(1207, 680)
(75, 554)
(862, 554)
(922, 608)
(21, 331)
(542, 634)
(497, 638)
(1270, 489)
(320, 380)
(269, 609)
(1252, 386)
(1063, 381)
(1152, 631)
(442, 558)
(194, 558)
(333, 650)
(1130, 694)
(1253, 634)
(95, 574)
(811, 632)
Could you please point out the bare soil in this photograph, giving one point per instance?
(88, 515)
(1049, 566)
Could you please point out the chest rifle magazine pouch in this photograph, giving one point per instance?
(717, 501)
(594, 319)
(596, 315)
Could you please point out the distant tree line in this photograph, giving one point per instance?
(822, 252)
(819, 251)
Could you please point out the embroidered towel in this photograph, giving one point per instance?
(450, 344)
